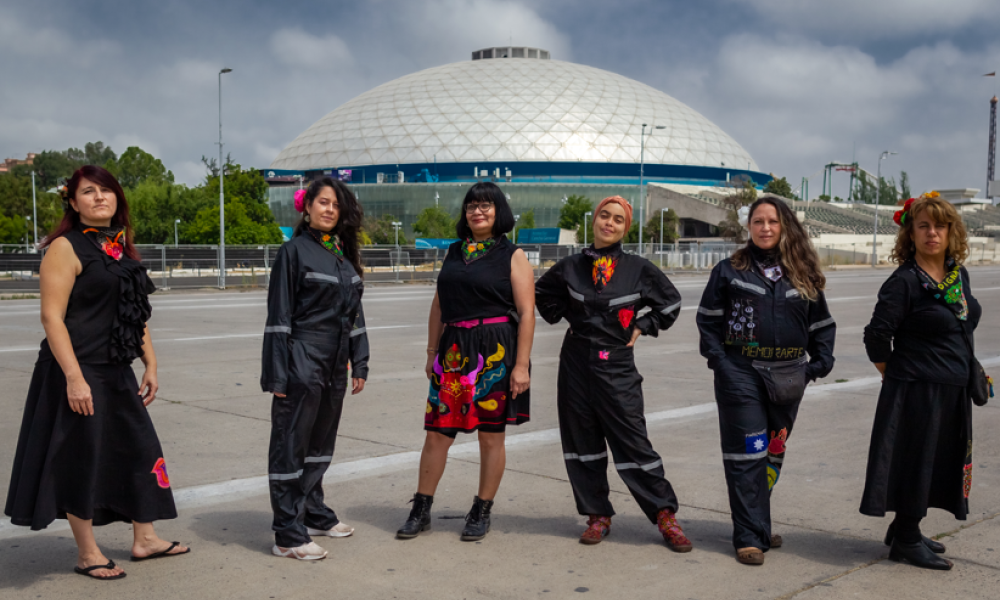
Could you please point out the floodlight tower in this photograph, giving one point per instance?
(991, 153)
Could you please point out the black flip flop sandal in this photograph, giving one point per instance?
(161, 554)
(89, 571)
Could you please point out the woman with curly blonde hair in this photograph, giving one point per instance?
(920, 339)
(766, 332)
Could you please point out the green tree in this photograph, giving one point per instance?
(381, 231)
(779, 187)
(744, 193)
(434, 222)
(12, 229)
(52, 168)
(527, 221)
(136, 166)
(155, 206)
(904, 186)
(572, 211)
(651, 232)
(864, 189)
(248, 217)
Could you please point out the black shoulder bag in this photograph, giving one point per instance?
(980, 385)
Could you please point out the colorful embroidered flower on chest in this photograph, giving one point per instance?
(471, 249)
(113, 247)
(604, 268)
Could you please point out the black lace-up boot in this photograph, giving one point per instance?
(419, 519)
(477, 522)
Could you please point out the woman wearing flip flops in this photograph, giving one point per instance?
(87, 450)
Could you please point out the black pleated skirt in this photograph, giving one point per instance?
(107, 467)
(921, 450)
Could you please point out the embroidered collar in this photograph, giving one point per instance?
(949, 290)
(328, 241)
(111, 240)
(768, 261)
(473, 250)
(604, 262)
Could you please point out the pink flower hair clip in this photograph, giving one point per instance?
(300, 200)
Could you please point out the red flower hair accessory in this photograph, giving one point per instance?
(900, 216)
(300, 200)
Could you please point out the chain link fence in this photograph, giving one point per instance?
(249, 267)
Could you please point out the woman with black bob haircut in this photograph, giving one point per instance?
(766, 332)
(88, 451)
(920, 339)
(315, 327)
(479, 336)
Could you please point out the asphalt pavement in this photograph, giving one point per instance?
(213, 422)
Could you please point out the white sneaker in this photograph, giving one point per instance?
(310, 551)
(340, 530)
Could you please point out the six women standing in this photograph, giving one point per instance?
(88, 451)
(479, 335)
(766, 332)
(315, 328)
(600, 293)
(920, 340)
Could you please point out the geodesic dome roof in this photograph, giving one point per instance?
(511, 109)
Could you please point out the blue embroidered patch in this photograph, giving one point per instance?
(756, 442)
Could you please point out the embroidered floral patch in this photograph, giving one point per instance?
(625, 316)
(330, 242)
(777, 444)
(110, 241)
(967, 481)
(604, 354)
(160, 470)
(473, 250)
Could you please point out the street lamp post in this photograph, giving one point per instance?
(586, 225)
(878, 189)
(642, 157)
(516, 219)
(222, 202)
(176, 221)
(27, 244)
(396, 225)
(662, 210)
(34, 208)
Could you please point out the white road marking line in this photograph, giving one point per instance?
(236, 489)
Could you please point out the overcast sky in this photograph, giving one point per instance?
(796, 82)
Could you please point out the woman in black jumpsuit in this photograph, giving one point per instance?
(600, 293)
(921, 340)
(315, 327)
(763, 311)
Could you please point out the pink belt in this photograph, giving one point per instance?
(478, 322)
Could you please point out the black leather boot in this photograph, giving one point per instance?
(477, 522)
(919, 555)
(935, 547)
(420, 517)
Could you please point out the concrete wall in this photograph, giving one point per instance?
(660, 197)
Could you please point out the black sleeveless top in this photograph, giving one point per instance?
(108, 307)
(477, 290)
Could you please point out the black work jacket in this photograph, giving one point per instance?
(743, 313)
(608, 318)
(314, 296)
(917, 335)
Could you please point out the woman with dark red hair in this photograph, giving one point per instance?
(87, 450)
(600, 293)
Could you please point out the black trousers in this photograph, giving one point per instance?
(753, 431)
(600, 406)
(303, 435)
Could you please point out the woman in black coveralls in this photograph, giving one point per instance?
(315, 328)
(763, 311)
(600, 293)
(920, 339)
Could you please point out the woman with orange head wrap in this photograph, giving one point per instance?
(600, 293)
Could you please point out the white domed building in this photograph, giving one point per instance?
(542, 129)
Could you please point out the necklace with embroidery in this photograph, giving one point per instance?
(473, 250)
(330, 242)
(949, 290)
(604, 262)
(111, 240)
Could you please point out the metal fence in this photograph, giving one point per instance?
(249, 267)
